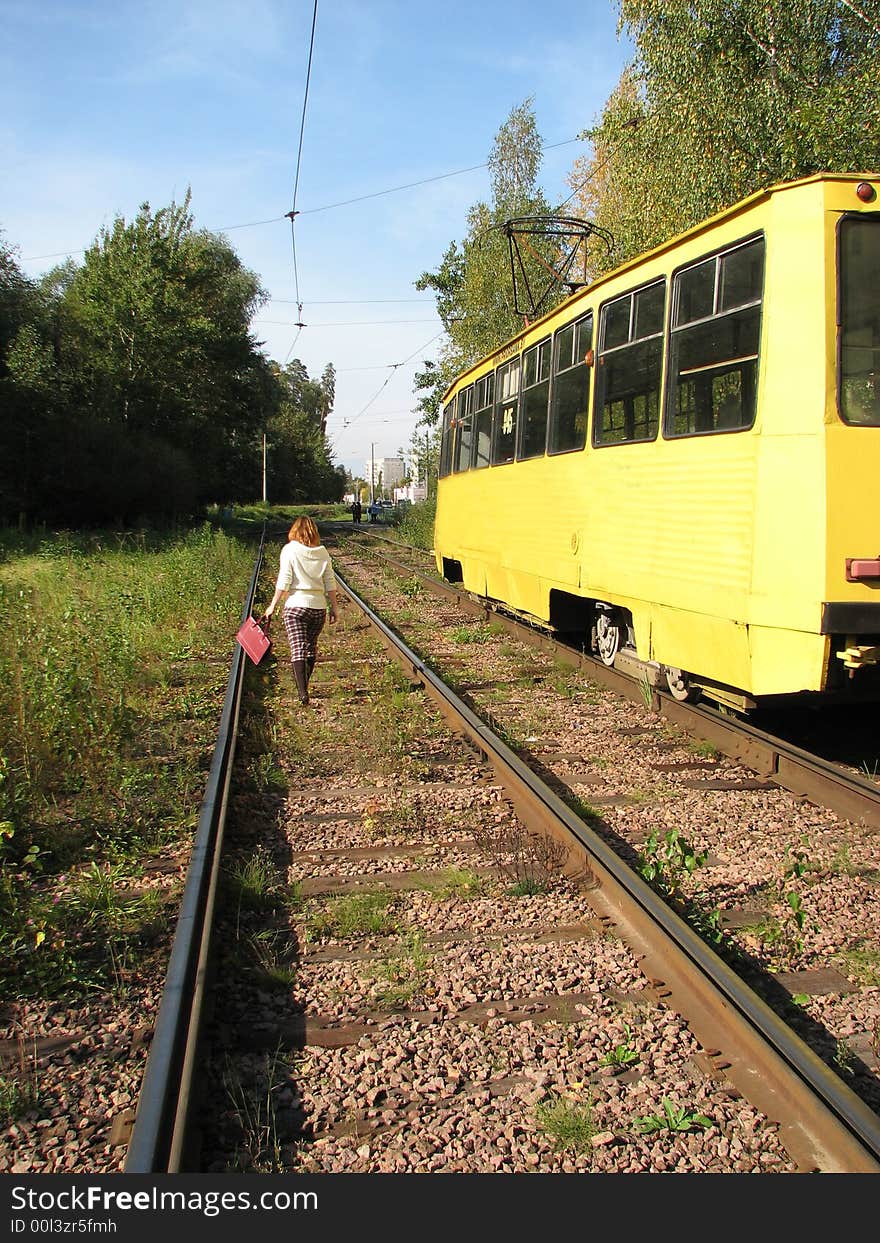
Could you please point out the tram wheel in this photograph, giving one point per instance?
(609, 636)
(679, 684)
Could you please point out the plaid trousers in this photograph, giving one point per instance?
(302, 627)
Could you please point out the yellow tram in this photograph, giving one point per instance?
(680, 463)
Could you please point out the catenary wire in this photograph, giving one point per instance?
(292, 213)
(345, 323)
(394, 367)
(253, 224)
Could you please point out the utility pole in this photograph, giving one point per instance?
(372, 472)
(264, 469)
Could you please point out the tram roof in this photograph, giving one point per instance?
(505, 350)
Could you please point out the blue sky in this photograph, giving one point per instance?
(106, 105)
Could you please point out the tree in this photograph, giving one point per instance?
(133, 390)
(724, 98)
(473, 281)
(27, 387)
(158, 343)
(17, 298)
(300, 466)
(423, 455)
(314, 397)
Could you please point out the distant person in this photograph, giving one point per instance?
(306, 579)
(373, 511)
(356, 512)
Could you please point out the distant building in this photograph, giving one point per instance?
(385, 472)
(412, 492)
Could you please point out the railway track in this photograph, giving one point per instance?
(770, 756)
(737, 1086)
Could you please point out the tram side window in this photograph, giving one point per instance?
(447, 437)
(713, 346)
(464, 429)
(535, 398)
(571, 387)
(627, 401)
(506, 411)
(859, 316)
(484, 396)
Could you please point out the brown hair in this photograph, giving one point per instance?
(304, 531)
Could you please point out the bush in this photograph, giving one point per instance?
(417, 528)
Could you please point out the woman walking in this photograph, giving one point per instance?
(306, 578)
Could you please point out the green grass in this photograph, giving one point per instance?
(271, 955)
(466, 634)
(528, 887)
(356, 915)
(458, 883)
(413, 588)
(254, 1100)
(704, 750)
(113, 665)
(19, 1085)
(277, 515)
(862, 964)
(569, 1126)
(99, 901)
(587, 812)
(255, 884)
(402, 976)
(17, 1098)
(564, 680)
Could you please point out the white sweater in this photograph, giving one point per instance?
(307, 573)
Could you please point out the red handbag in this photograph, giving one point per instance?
(253, 637)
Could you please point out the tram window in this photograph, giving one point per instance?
(616, 322)
(859, 316)
(571, 387)
(447, 437)
(464, 429)
(695, 292)
(506, 411)
(649, 306)
(565, 356)
(713, 347)
(535, 398)
(628, 376)
(484, 394)
(742, 276)
(583, 337)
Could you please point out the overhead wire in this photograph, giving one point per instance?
(632, 123)
(346, 323)
(394, 367)
(253, 224)
(293, 212)
(411, 185)
(354, 301)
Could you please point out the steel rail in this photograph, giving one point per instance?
(786, 765)
(160, 1135)
(827, 1127)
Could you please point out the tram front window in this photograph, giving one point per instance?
(859, 315)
